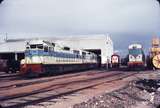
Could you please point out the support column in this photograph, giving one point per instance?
(16, 56)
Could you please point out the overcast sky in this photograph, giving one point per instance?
(126, 21)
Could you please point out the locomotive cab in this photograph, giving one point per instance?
(34, 57)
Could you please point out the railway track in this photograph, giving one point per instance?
(23, 82)
(9, 76)
(56, 88)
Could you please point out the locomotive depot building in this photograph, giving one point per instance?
(102, 45)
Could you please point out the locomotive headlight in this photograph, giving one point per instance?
(139, 58)
(131, 58)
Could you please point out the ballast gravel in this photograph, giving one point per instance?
(137, 94)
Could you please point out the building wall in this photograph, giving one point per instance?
(102, 42)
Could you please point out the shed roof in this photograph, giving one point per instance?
(12, 47)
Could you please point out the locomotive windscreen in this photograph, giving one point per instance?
(135, 51)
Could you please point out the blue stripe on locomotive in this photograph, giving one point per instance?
(31, 53)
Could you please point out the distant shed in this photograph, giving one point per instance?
(102, 45)
(12, 49)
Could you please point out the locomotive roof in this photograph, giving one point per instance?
(115, 55)
(38, 41)
(41, 41)
(135, 46)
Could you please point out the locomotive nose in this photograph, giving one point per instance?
(23, 69)
(27, 69)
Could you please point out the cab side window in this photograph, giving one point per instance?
(45, 49)
(33, 46)
(40, 46)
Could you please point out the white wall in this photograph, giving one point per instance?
(102, 42)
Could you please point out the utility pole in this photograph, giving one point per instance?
(5, 37)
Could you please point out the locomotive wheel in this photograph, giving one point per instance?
(156, 61)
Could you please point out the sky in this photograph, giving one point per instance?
(127, 21)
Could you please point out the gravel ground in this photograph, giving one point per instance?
(138, 94)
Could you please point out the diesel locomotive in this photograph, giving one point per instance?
(115, 60)
(45, 57)
(136, 57)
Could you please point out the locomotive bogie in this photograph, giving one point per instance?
(135, 64)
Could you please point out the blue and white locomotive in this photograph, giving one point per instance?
(136, 56)
(45, 57)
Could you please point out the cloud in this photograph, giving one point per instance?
(79, 16)
(127, 21)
